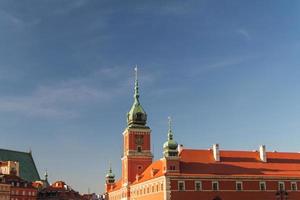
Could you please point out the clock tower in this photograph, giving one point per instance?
(137, 154)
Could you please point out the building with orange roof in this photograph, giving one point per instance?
(193, 174)
(57, 191)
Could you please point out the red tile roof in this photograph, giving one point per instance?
(116, 186)
(197, 162)
(153, 171)
(239, 163)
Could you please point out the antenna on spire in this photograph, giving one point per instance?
(136, 73)
(46, 175)
(110, 170)
(170, 134)
(136, 86)
(170, 123)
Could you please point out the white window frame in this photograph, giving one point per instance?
(281, 183)
(198, 182)
(294, 183)
(212, 185)
(183, 184)
(236, 185)
(262, 183)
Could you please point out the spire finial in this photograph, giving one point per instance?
(170, 134)
(136, 85)
(110, 169)
(46, 175)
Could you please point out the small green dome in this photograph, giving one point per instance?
(136, 115)
(171, 145)
(110, 176)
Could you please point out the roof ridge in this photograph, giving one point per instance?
(248, 151)
(14, 151)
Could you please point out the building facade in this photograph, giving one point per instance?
(193, 174)
(20, 189)
(9, 167)
(59, 191)
(4, 191)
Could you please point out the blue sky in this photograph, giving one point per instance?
(226, 71)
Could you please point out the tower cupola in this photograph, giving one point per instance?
(170, 146)
(110, 176)
(137, 116)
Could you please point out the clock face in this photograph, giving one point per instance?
(139, 139)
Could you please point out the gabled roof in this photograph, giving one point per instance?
(239, 163)
(155, 170)
(28, 170)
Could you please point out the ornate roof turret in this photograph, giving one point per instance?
(110, 176)
(170, 146)
(136, 116)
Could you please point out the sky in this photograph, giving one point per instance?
(227, 72)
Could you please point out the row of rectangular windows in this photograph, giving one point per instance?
(239, 186)
(143, 191)
(22, 193)
(148, 189)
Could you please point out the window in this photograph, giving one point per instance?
(294, 186)
(239, 186)
(281, 186)
(172, 167)
(198, 185)
(262, 185)
(139, 149)
(181, 186)
(215, 185)
(139, 116)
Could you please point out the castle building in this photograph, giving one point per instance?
(193, 174)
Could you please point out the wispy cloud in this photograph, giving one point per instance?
(16, 21)
(244, 33)
(228, 62)
(69, 7)
(65, 98)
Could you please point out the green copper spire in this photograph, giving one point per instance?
(170, 146)
(136, 117)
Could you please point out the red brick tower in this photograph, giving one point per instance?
(137, 154)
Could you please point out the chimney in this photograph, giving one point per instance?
(216, 152)
(262, 153)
